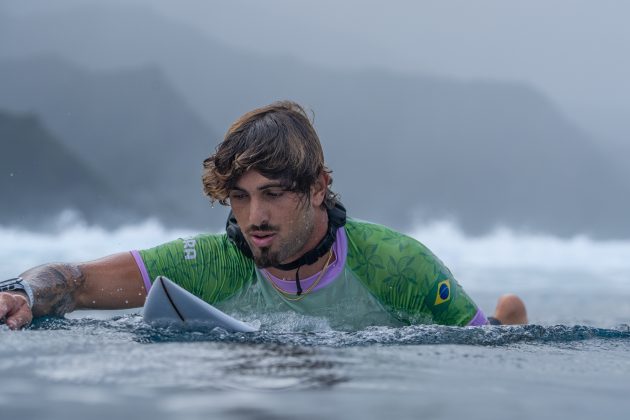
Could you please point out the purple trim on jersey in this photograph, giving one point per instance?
(340, 249)
(479, 319)
(143, 270)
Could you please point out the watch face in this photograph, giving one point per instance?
(11, 284)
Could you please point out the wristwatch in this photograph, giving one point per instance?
(18, 284)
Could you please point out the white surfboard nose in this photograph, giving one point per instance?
(168, 302)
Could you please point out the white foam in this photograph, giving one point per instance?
(75, 241)
(500, 256)
(505, 249)
(532, 258)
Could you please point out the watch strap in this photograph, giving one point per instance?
(20, 285)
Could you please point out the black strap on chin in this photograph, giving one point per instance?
(336, 219)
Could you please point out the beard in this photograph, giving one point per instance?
(266, 258)
(287, 247)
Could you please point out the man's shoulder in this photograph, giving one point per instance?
(368, 233)
(358, 225)
(193, 246)
(405, 276)
(385, 246)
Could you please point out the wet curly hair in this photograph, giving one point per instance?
(277, 140)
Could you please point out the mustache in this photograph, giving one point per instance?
(261, 228)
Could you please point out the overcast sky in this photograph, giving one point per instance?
(576, 51)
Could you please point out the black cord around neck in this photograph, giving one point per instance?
(336, 219)
(298, 286)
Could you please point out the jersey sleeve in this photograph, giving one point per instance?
(405, 276)
(209, 266)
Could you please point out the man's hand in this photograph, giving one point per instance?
(14, 310)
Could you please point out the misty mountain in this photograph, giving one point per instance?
(40, 178)
(128, 126)
(402, 147)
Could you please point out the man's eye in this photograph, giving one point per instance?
(275, 194)
(237, 196)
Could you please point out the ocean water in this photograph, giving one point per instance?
(572, 361)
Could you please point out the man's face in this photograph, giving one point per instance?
(275, 222)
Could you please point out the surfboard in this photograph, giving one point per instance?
(169, 303)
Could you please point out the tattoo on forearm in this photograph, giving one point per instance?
(53, 286)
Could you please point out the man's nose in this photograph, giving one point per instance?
(258, 213)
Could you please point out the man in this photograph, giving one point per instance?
(288, 248)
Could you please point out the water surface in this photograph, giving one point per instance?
(122, 366)
(573, 362)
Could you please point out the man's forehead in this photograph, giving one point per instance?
(254, 180)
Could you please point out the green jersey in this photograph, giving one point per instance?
(378, 277)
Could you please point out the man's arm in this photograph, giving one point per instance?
(113, 282)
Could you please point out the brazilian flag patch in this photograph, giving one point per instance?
(443, 292)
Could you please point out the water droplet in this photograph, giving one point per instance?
(126, 301)
(93, 301)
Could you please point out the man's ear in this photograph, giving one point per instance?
(319, 189)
